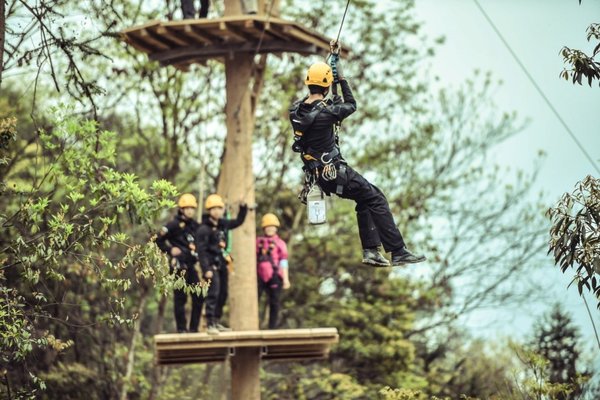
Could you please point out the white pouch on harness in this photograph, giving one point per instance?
(317, 207)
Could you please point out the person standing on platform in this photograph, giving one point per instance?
(177, 239)
(272, 266)
(189, 9)
(211, 241)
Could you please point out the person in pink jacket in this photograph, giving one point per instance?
(272, 265)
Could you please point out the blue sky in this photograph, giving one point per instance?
(536, 31)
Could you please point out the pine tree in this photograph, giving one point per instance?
(556, 339)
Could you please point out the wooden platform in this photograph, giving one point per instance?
(281, 345)
(182, 43)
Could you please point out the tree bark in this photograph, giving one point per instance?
(134, 337)
(2, 35)
(156, 369)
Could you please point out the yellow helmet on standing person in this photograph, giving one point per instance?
(187, 200)
(319, 74)
(214, 200)
(269, 220)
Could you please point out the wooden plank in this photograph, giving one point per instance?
(276, 345)
(196, 29)
(139, 45)
(191, 33)
(305, 37)
(172, 36)
(240, 34)
(179, 55)
(182, 43)
(235, 335)
(239, 335)
(149, 38)
(245, 343)
(271, 31)
(210, 38)
(140, 27)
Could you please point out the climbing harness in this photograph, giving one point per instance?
(330, 166)
(227, 250)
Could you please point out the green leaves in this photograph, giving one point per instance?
(75, 238)
(575, 234)
(581, 65)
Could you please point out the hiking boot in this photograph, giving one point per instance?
(404, 256)
(222, 328)
(374, 258)
(212, 329)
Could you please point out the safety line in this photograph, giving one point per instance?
(537, 87)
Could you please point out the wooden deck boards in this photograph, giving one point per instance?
(182, 43)
(280, 345)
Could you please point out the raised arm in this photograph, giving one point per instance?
(241, 217)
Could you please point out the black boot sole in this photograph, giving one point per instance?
(373, 263)
(404, 262)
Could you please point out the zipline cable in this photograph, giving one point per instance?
(537, 87)
(337, 39)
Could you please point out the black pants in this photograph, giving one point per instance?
(273, 290)
(223, 291)
(189, 11)
(376, 224)
(217, 294)
(191, 278)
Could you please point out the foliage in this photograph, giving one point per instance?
(579, 64)
(575, 234)
(556, 341)
(38, 35)
(534, 381)
(64, 234)
(426, 150)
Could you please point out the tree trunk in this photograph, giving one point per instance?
(131, 351)
(157, 369)
(2, 34)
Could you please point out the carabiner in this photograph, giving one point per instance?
(323, 158)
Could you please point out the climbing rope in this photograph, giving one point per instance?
(337, 39)
(262, 34)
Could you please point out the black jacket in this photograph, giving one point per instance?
(316, 121)
(181, 233)
(210, 234)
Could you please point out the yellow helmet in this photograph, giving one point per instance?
(269, 220)
(187, 200)
(319, 74)
(214, 200)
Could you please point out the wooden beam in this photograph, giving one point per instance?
(305, 37)
(270, 30)
(151, 37)
(170, 35)
(203, 34)
(276, 345)
(137, 44)
(173, 56)
(191, 33)
(249, 334)
(236, 32)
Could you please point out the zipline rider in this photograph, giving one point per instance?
(315, 121)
